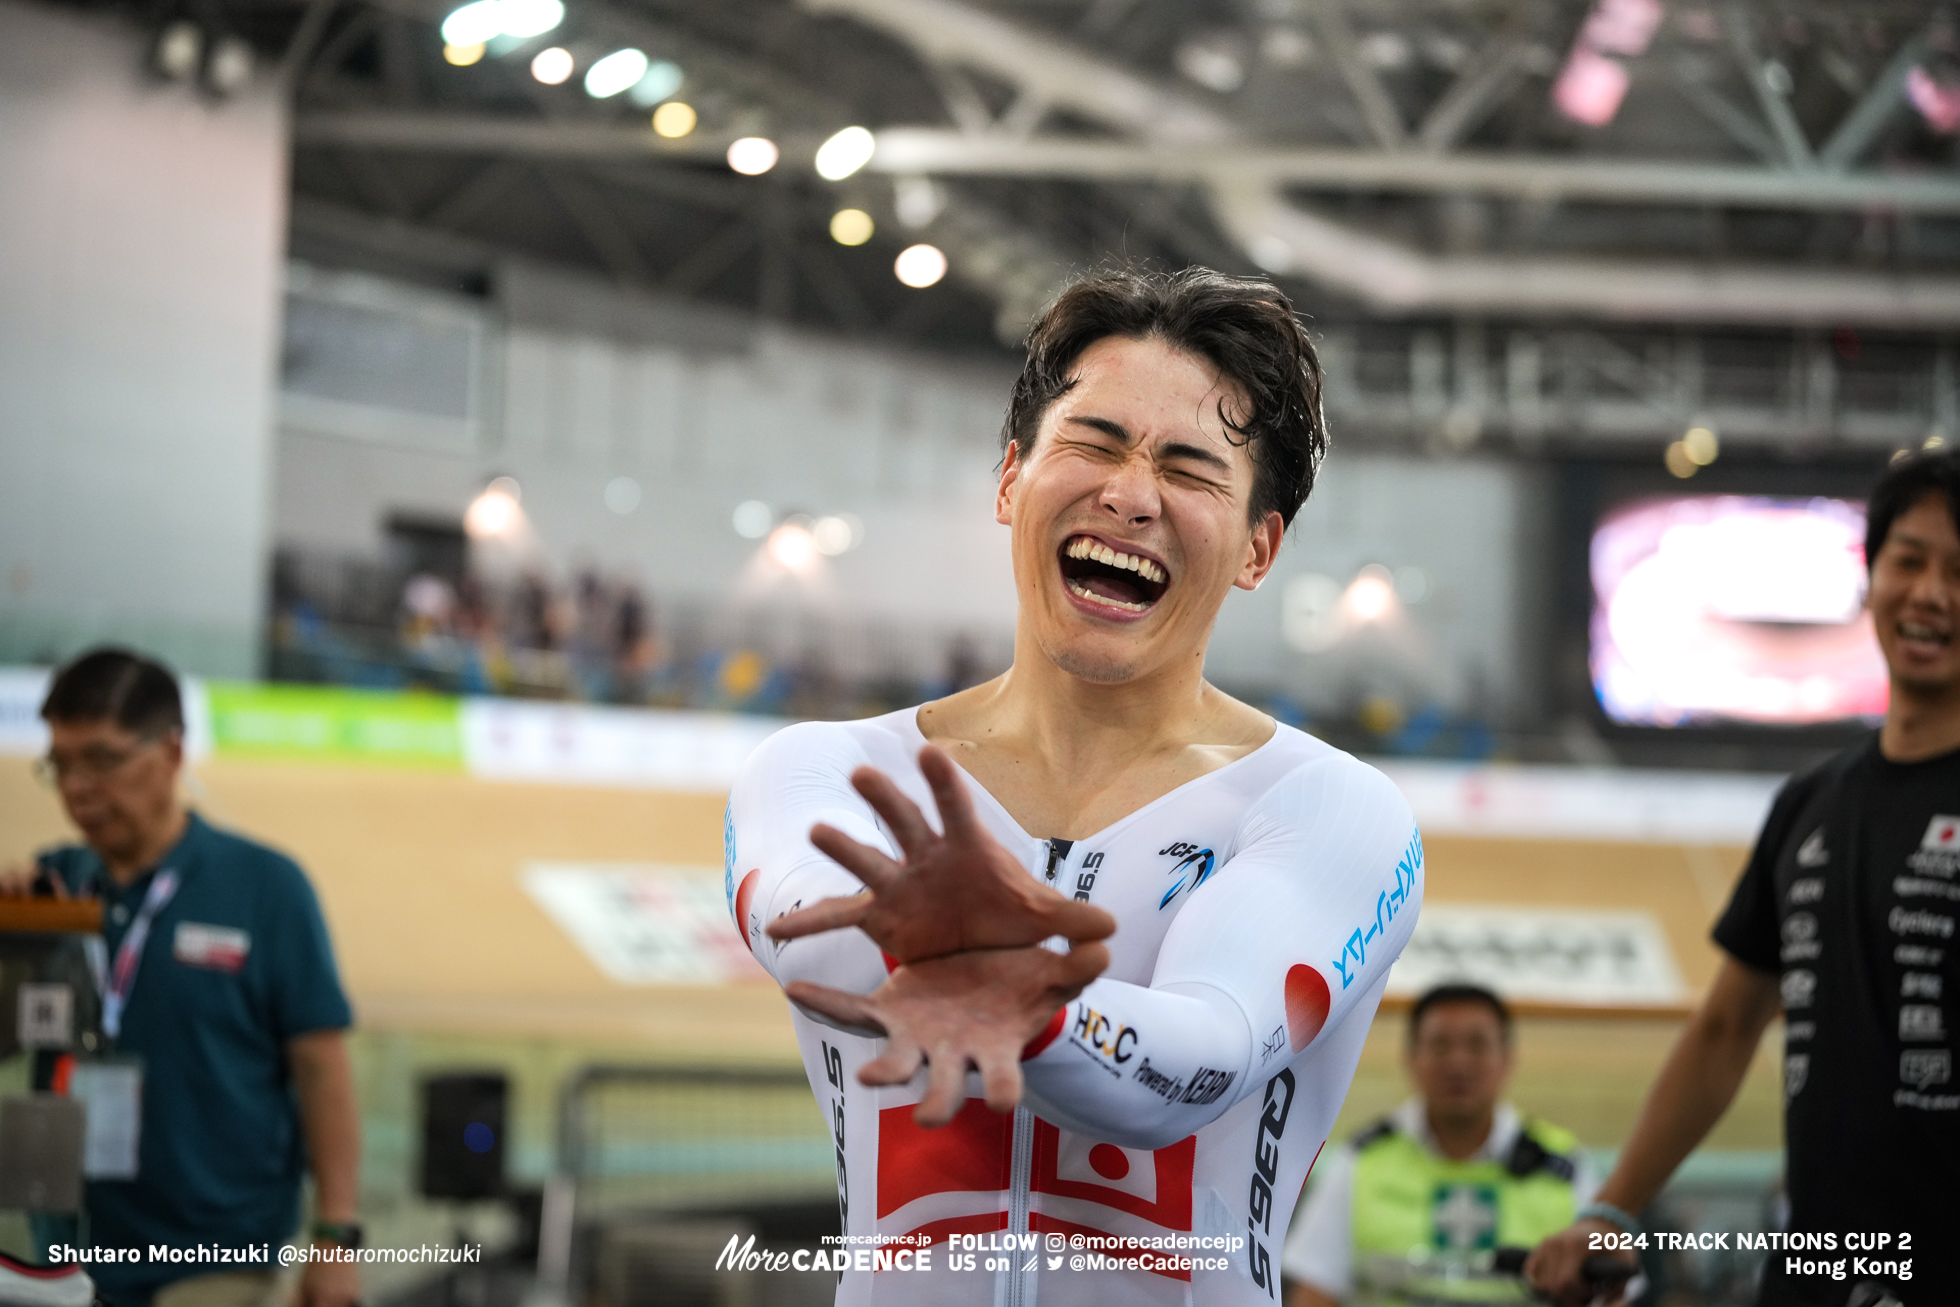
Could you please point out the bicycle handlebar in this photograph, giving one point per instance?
(1600, 1268)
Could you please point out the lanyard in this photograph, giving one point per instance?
(116, 982)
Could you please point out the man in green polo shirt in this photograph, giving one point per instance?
(1404, 1208)
(222, 1015)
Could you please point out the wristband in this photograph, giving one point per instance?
(1619, 1216)
(347, 1234)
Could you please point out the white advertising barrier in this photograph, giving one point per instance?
(22, 732)
(24, 735)
(645, 924)
(580, 744)
(585, 744)
(1584, 803)
(1543, 955)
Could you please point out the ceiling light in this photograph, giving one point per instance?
(179, 50)
(753, 518)
(1623, 26)
(1411, 584)
(1286, 47)
(792, 546)
(662, 79)
(920, 266)
(496, 511)
(1700, 445)
(1594, 82)
(486, 20)
(851, 226)
(1937, 102)
(474, 24)
(526, 18)
(674, 119)
(918, 200)
(462, 56)
(614, 73)
(837, 534)
(230, 66)
(552, 66)
(1590, 87)
(1371, 595)
(622, 495)
(845, 153)
(1271, 252)
(752, 155)
(1679, 461)
(1213, 62)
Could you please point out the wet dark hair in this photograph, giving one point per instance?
(1459, 992)
(1905, 483)
(136, 693)
(1246, 329)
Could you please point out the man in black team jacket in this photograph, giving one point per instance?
(1845, 921)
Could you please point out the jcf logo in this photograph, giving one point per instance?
(1194, 865)
(1111, 1039)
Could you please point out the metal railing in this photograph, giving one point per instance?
(677, 1138)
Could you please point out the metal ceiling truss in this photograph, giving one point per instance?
(1451, 386)
(908, 151)
(1402, 161)
(1173, 136)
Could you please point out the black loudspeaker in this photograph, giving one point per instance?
(463, 1122)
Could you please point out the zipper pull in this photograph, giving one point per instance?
(1057, 855)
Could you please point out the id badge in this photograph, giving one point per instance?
(110, 1090)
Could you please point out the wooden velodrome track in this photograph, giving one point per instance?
(419, 874)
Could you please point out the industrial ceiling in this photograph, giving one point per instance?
(1516, 219)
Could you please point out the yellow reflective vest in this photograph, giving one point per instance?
(1420, 1219)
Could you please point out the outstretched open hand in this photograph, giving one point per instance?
(978, 1009)
(954, 892)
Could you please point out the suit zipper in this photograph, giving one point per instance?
(1018, 1288)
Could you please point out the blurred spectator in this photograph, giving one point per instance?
(476, 619)
(535, 624)
(963, 669)
(428, 604)
(357, 622)
(633, 650)
(223, 1018)
(1453, 1172)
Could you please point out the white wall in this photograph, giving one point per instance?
(736, 411)
(1469, 645)
(141, 229)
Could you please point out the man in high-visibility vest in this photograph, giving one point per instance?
(1402, 1210)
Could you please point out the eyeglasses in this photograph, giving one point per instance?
(1476, 1045)
(90, 766)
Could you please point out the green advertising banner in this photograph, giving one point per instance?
(327, 724)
